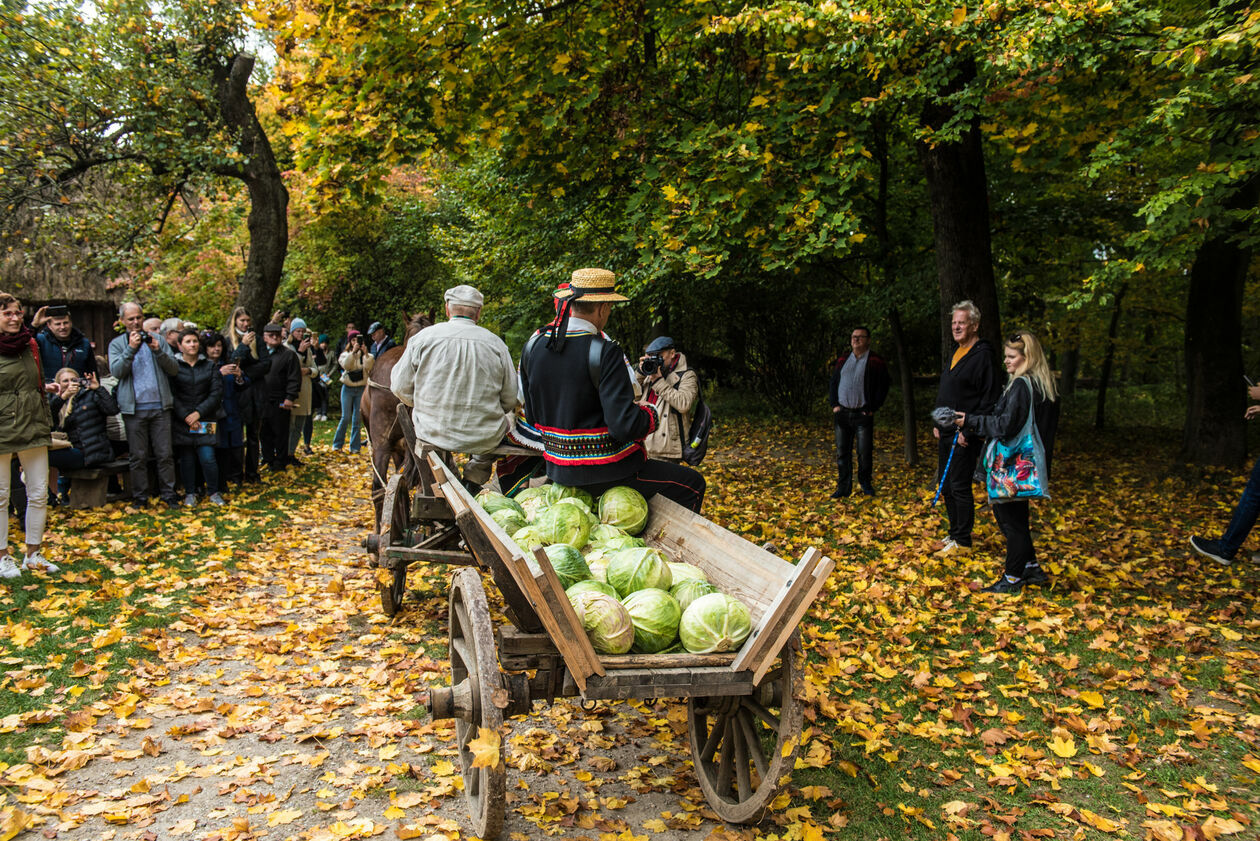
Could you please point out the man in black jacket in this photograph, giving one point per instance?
(970, 384)
(282, 385)
(581, 402)
(859, 386)
(61, 345)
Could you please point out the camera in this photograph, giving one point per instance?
(650, 365)
(84, 382)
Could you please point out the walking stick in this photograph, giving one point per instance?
(945, 472)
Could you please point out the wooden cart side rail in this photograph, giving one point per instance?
(462, 503)
(748, 572)
(760, 650)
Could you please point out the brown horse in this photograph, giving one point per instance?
(380, 415)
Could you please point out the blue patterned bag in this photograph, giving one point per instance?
(1018, 470)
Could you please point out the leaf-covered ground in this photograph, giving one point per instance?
(226, 674)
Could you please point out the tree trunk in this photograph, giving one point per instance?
(1070, 368)
(1109, 358)
(268, 199)
(908, 425)
(1214, 431)
(959, 198)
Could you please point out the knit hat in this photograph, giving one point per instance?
(297, 324)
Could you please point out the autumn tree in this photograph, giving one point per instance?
(112, 119)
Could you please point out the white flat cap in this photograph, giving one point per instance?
(464, 296)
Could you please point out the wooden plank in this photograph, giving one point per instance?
(433, 556)
(789, 621)
(682, 683)
(571, 627)
(783, 602)
(733, 565)
(517, 642)
(430, 508)
(664, 661)
(520, 611)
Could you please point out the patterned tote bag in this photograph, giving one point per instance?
(1018, 470)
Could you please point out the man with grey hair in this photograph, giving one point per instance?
(171, 329)
(137, 360)
(460, 383)
(970, 384)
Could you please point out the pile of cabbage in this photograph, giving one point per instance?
(629, 596)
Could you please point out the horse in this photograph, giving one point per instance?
(379, 407)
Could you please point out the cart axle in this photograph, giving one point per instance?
(452, 701)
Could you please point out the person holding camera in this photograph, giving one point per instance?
(356, 365)
(80, 409)
(243, 344)
(198, 402)
(229, 449)
(144, 370)
(280, 392)
(301, 427)
(671, 388)
(61, 345)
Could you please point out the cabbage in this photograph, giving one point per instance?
(533, 507)
(599, 569)
(690, 589)
(625, 508)
(509, 520)
(493, 502)
(526, 494)
(603, 532)
(581, 506)
(555, 493)
(568, 563)
(623, 542)
(606, 622)
(714, 623)
(637, 569)
(527, 538)
(563, 524)
(655, 615)
(589, 585)
(682, 572)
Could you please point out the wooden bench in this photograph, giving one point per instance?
(89, 486)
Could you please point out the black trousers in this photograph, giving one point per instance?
(853, 426)
(959, 503)
(229, 459)
(253, 450)
(676, 482)
(1013, 519)
(275, 437)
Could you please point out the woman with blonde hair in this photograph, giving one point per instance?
(26, 433)
(1031, 384)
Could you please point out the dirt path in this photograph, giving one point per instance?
(285, 705)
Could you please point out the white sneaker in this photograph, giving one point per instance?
(217, 500)
(9, 567)
(38, 561)
(950, 547)
(190, 500)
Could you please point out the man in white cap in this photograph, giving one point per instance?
(460, 383)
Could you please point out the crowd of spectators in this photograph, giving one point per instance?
(193, 411)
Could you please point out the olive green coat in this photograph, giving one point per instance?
(25, 422)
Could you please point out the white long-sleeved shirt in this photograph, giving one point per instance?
(461, 384)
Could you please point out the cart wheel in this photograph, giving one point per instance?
(475, 679)
(742, 745)
(394, 512)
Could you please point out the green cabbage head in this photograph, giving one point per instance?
(606, 621)
(493, 502)
(554, 493)
(568, 563)
(635, 569)
(563, 524)
(682, 572)
(690, 589)
(714, 623)
(624, 508)
(655, 615)
(589, 585)
(510, 520)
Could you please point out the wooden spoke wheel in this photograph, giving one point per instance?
(392, 583)
(480, 696)
(742, 745)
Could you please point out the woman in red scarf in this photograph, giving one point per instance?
(25, 429)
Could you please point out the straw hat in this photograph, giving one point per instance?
(595, 285)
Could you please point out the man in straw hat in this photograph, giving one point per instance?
(460, 383)
(578, 397)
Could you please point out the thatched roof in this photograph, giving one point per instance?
(54, 274)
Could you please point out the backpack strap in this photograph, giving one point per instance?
(594, 356)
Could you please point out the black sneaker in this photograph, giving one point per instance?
(1035, 577)
(1210, 549)
(1004, 585)
(868, 490)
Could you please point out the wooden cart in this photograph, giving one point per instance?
(743, 708)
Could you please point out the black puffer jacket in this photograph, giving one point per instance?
(85, 424)
(195, 388)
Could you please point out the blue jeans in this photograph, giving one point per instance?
(350, 396)
(1244, 515)
(188, 458)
